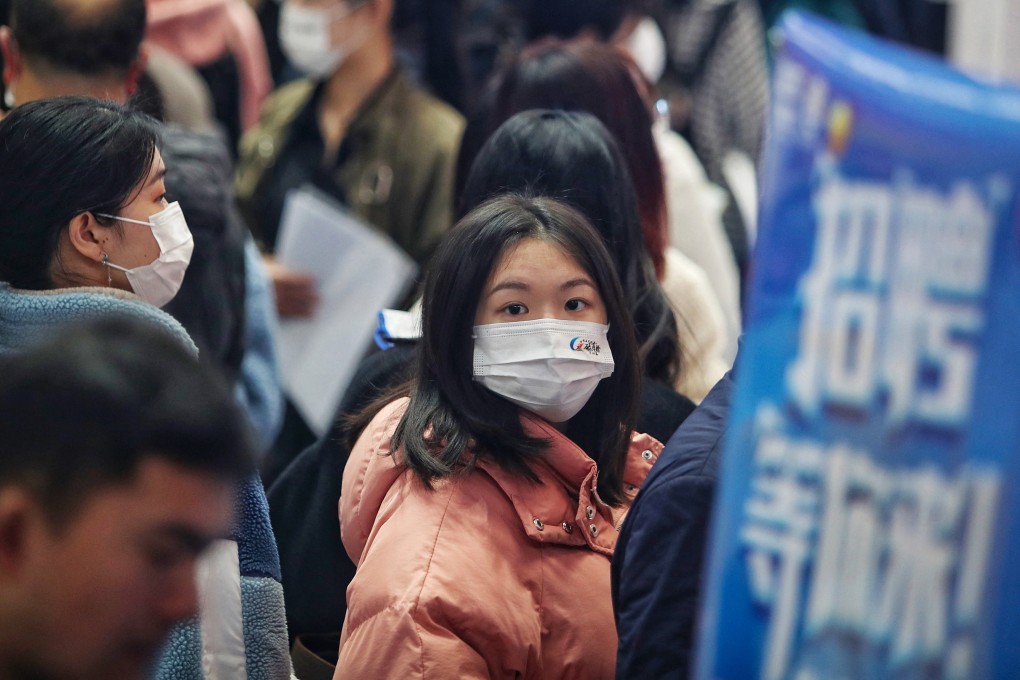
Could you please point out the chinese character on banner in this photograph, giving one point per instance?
(894, 560)
(782, 516)
(867, 518)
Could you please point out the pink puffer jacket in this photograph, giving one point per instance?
(487, 575)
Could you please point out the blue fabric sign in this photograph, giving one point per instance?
(868, 519)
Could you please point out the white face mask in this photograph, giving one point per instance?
(158, 282)
(548, 366)
(306, 38)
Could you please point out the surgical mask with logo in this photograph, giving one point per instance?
(158, 282)
(306, 38)
(550, 367)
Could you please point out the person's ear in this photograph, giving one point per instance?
(136, 70)
(12, 57)
(87, 236)
(18, 512)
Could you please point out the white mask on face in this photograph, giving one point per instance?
(550, 367)
(158, 282)
(306, 38)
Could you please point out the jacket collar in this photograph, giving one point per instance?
(564, 506)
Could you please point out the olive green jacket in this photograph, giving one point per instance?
(400, 152)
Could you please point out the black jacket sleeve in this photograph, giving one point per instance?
(658, 563)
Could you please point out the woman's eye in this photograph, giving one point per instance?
(575, 305)
(515, 309)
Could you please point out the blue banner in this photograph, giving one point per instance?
(868, 518)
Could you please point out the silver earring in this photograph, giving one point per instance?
(109, 274)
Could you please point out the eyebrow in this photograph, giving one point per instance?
(520, 285)
(189, 538)
(508, 285)
(574, 283)
(160, 174)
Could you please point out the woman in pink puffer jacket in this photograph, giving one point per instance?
(482, 503)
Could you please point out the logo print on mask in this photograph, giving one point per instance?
(580, 344)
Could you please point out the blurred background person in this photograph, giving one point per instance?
(177, 92)
(355, 128)
(694, 199)
(115, 479)
(222, 41)
(360, 131)
(716, 86)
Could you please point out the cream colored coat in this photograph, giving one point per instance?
(486, 576)
(694, 207)
(700, 326)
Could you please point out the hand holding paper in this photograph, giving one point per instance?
(296, 291)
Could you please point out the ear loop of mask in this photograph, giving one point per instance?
(124, 219)
(106, 258)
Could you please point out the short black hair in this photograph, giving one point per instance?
(61, 157)
(449, 409)
(93, 38)
(82, 411)
(571, 156)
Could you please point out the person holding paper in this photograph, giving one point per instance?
(481, 501)
(355, 128)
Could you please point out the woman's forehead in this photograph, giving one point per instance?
(535, 257)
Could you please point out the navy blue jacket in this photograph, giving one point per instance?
(657, 565)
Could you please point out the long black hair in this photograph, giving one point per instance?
(571, 156)
(59, 158)
(450, 415)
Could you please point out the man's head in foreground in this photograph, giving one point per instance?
(120, 455)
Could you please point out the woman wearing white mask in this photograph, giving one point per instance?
(481, 506)
(85, 227)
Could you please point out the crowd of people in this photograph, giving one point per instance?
(521, 487)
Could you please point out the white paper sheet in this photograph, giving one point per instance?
(358, 271)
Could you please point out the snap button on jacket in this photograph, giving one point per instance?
(484, 576)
